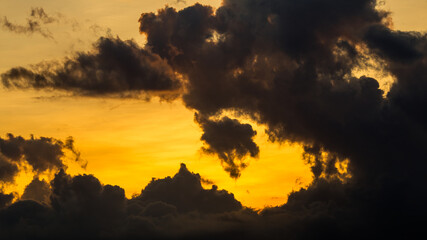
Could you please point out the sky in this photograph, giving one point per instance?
(126, 141)
(297, 110)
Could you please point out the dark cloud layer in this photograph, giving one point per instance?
(179, 208)
(288, 65)
(114, 67)
(81, 207)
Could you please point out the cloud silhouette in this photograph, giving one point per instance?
(41, 154)
(166, 208)
(114, 67)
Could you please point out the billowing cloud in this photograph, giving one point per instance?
(285, 65)
(289, 65)
(41, 154)
(114, 67)
(185, 192)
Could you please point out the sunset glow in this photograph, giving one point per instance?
(140, 95)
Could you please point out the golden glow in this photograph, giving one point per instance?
(127, 142)
(408, 15)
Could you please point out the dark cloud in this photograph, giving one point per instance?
(289, 65)
(35, 24)
(174, 34)
(185, 192)
(114, 67)
(8, 169)
(230, 140)
(5, 199)
(166, 208)
(27, 220)
(286, 65)
(395, 45)
(41, 154)
(179, 208)
(83, 203)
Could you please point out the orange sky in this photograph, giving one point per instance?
(127, 142)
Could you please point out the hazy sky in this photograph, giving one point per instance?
(127, 142)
